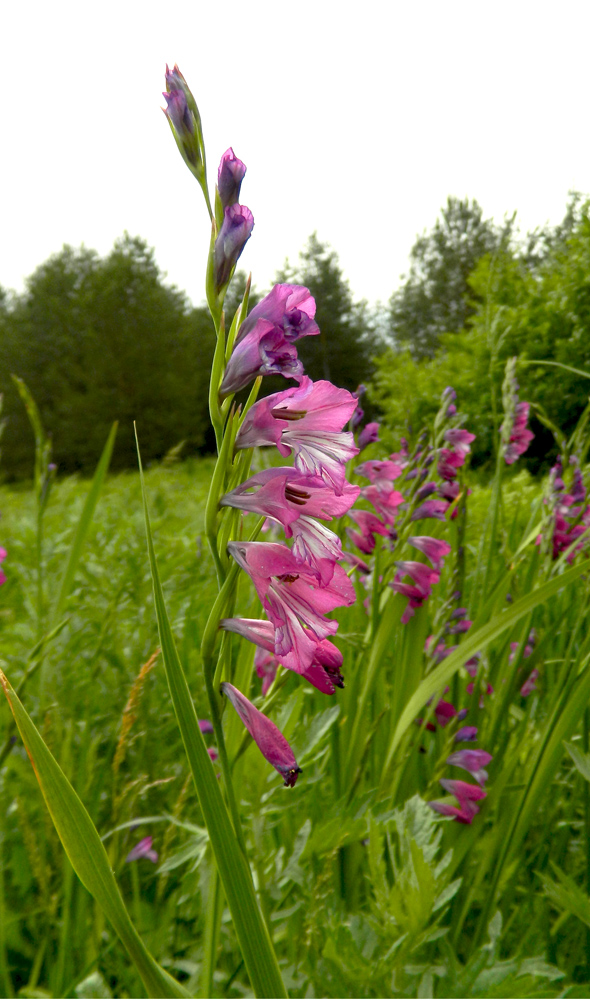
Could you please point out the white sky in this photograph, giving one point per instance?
(355, 120)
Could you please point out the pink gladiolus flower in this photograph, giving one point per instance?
(291, 308)
(324, 671)
(385, 501)
(434, 549)
(264, 351)
(473, 761)
(379, 472)
(466, 734)
(356, 561)
(370, 525)
(431, 508)
(292, 600)
(515, 436)
(238, 223)
(294, 500)
(459, 439)
(369, 434)
(213, 753)
(467, 796)
(285, 494)
(444, 712)
(268, 738)
(205, 726)
(230, 175)
(307, 420)
(529, 685)
(448, 463)
(143, 850)
(423, 578)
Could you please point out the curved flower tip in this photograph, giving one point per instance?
(268, 738)
(143, 850)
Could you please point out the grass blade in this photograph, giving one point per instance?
(84, 524)
(83, 847)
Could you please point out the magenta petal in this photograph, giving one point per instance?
(268, 738)
(143, 850)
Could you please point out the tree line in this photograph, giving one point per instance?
(477, 294)
(99, 339)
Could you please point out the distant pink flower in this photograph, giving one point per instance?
(423, 578)
(467, 796)
(268, 738)
(368, 435)
(3, 554)
(292, 600)
(379, 471)
(291, 308)
(266, 665)
(515, 438)
(385, 501)
(473, 761)
(369, 525)
(230, 175)
(466, 733)
(448, 463)
(143, 850)
(264, 351)
(444, 712)
(430, 508)
(459, 439)
(529, 685)
(435, 549)
(356, 561)
(213, 753)
(205, 726)
(238, 223)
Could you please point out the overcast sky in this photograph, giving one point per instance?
(355, 120)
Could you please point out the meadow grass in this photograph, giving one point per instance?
(353, 909)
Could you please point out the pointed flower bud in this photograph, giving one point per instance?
(185, 122)
(238, 223)
(268, 738)
(230, 175)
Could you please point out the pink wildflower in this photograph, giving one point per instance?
(291, 598)
(268, 738)
(290, 308)
(229, 178)
(143, 850)
(308, 421)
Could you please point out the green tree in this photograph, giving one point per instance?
(344, 350)
(435, 297)
(99, 340)
(535, 306)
